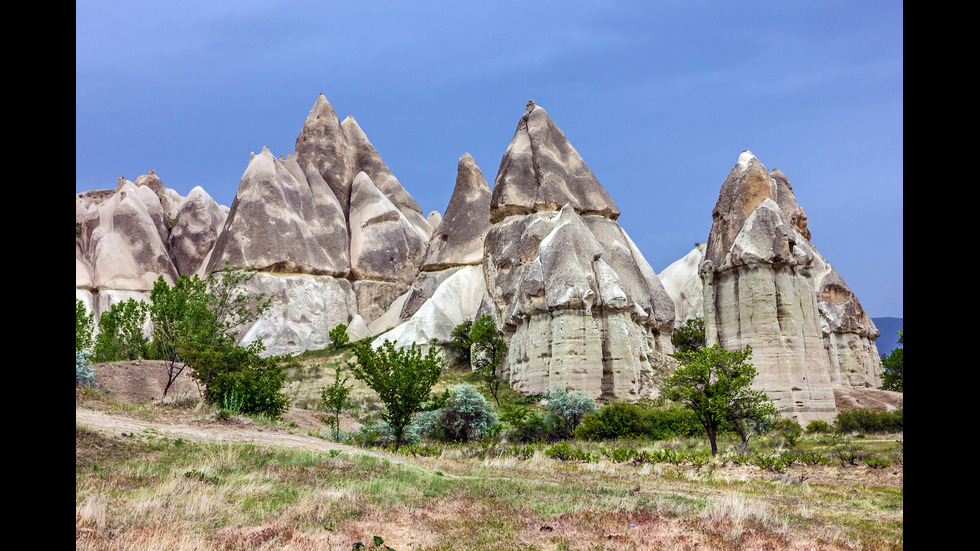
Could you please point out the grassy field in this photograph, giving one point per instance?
(147, 491)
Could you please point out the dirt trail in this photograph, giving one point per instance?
(119, 425)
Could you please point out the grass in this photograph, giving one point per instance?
(148, 491)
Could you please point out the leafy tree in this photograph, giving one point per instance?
(460, 342)
(120, 334)
(338, 337)
(174, 311)
(84, 375)
(689, 337)
(335, 398)
(402, 378)
(489, 350)
(84, 327)
(196, 324)
(893, 365)
(716, 384)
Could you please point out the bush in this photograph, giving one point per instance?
(380, 433)
(790, 430)
(865, 420)
(670, 422)
(531, 426)
(244, 382)
(615, 420)
(466, 415)
(569, 408)
(84, 375)
(818, 426)
(460, 342)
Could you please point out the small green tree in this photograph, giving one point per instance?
(402, 378)
(175, 312)
(120, 334)
(716, 384)
(488, 352)
(893, 364)
(338, 337)
(84, 327)
(460, 343)
(689, 337)
(335, 398)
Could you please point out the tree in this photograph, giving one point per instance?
(84, 327)
(196, 324)
(489, 350)
(568, 409)
(338, 337)
(689, 337)
(173, 311)
(460, 342)
(120, 334)
(716, 384)
(402, 378)
(334, 399)
(893, 365)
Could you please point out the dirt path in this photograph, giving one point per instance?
(118, 425)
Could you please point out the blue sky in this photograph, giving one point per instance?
(659, 98)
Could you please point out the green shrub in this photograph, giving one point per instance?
(818, 426)
(466, 415)
(248, 384)
(84, 327)
(338, 337)
(120, 334)
(671, 422)
(460, 342)
(790, 430)
(379, 433)
(563, 451)
(865, 420)
(84, 375)
(615, 420)
(569, 408)
(533, 426)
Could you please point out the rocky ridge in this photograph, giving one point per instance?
(335, 238)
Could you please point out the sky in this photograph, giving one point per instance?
(659, 98)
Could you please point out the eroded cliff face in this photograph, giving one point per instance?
(765, 285)
(129, 237)
(579, 304)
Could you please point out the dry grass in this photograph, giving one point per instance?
(147, 491)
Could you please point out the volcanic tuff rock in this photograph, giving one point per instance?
(128, 237)
(458, 240)
(579, 304)
(765, 285)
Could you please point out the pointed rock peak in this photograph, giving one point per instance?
(787, 202)
(541, 171)
(322, 110)
(458, 240)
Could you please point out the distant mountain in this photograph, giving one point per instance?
(888, 327)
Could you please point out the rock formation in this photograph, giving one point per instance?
(449, 289)
(577, 301)
(128, 237)
(765, 285)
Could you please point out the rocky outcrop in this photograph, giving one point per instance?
(331, 209)
(450, 288)
(127, 238)
(764, 284)
(683, 284)
(578, 303)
